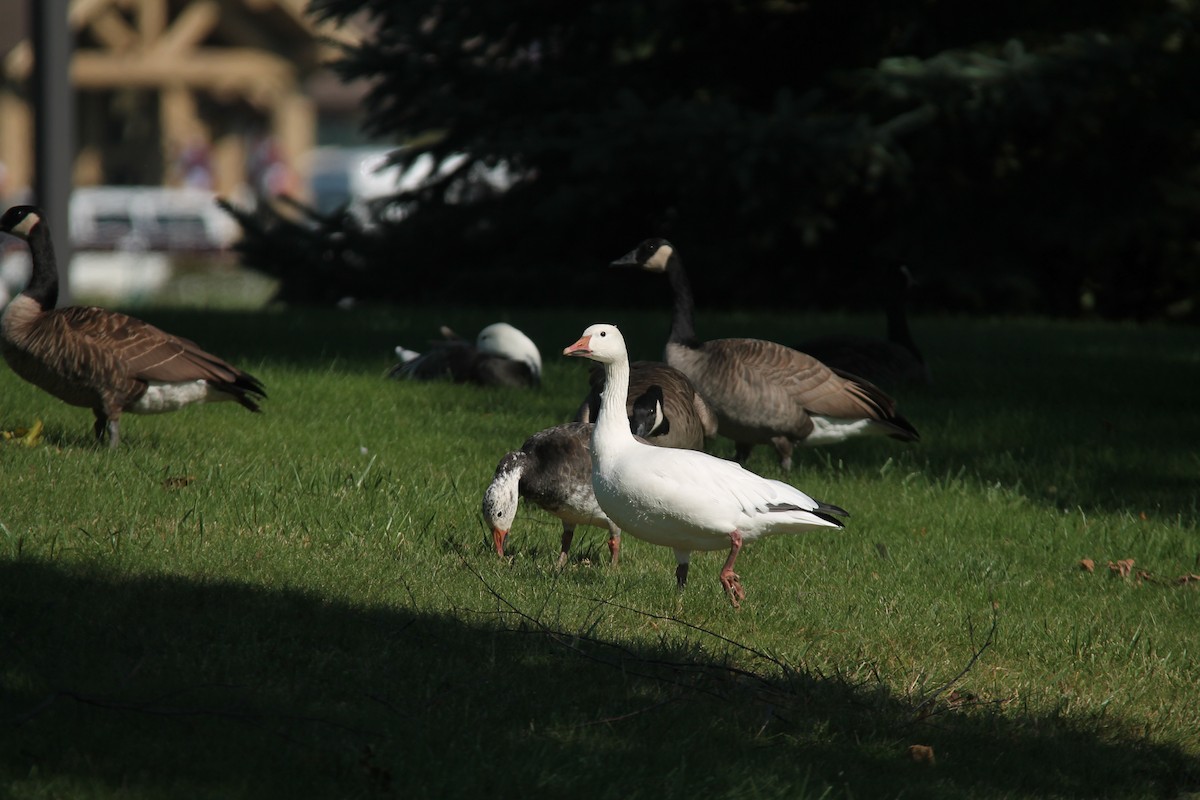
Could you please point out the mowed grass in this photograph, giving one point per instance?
(305, 603)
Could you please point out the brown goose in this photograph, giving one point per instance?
(104, 360)
(763, 392)
(685, 419)
(894, 361)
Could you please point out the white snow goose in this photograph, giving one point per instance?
(763, 392)
(681, 418)
(683, 499)
(100, 359)
(501, 356)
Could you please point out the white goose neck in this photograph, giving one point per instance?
(612, 426)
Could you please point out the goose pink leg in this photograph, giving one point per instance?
(729, 579)
(564, 552)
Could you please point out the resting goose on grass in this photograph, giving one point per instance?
(683, 499)
(894, 361)
(763, 392)
(687, 419)
(105, 360)
(500, 356)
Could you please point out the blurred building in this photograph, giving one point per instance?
(225, 95)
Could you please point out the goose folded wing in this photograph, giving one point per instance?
(138, 350)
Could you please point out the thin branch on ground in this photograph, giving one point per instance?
(924, 707)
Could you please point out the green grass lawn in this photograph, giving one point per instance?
(305, 603)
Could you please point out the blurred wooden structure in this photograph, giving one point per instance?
(175, 92)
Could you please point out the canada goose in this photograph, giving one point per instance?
(500, 356)
(100, 359)
(763, 392)
(683, 499)
(894, 361)
(552, 470)
(648, 417)
(686, 418)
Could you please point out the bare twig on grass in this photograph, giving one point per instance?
(925, 707)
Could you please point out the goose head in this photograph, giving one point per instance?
(503, 339)
(651, 255)
(648, 418)
(501, 498)
(600, 342)
(20, 221)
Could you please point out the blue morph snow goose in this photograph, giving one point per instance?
(105, 360)
(683, 499)
(761, 391)
(553, 470)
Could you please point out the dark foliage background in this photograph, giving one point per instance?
(1020, 157)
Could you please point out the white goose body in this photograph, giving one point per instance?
(683, 499)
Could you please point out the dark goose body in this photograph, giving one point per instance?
(688, 418)
(105, 360)
(763, 392)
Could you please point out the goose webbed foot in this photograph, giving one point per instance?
(730, 581)
(732, 585)
(614, 548)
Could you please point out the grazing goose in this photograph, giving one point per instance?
(552, 470)
(104, 360)
(894, 361)
(683, 499)
(501, 356)
(686, 418)
(763, 392)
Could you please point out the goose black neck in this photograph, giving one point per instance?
(43, 281)
(683, 320)
(897, 326)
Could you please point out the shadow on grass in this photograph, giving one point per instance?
(176, 687)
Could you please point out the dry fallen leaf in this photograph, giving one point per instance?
(1192, 578)
(921, 754)
(30, 437)
(1087, 565)
(1122, 568)
(178, 481)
